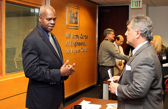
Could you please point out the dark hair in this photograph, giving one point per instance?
(118, 38)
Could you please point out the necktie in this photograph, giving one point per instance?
(119, 49)
(52, 42)
(130, 56)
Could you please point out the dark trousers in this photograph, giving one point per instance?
(103, 72)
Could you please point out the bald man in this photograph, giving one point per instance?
(119, 63)
(43, 64)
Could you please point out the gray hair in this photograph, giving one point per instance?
(43, 8)
(108, 31)
(144, 24)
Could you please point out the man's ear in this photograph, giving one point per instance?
(39, 18)
(107, 36)
(138, 34)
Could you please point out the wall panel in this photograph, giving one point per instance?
(86, 69)
(16, 102)
(111, 17)
(1, 26)
(159, 17)
(13, 87)
(33, 3)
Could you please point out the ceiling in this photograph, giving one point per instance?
(126, 2)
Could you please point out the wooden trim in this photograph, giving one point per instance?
(48, 2)
(30, 3)
(2, 59)
(1, 26)
(13, 95)
(26, 3)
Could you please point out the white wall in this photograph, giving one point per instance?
(159, 16)
(134, 11)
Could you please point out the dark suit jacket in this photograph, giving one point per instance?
(141, 81)
(42, 66)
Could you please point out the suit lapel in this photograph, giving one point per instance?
(137, 52)
(121, 75)
(133, 57)
(46, 40)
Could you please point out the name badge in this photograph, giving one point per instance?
(164, 57)
(128, 67)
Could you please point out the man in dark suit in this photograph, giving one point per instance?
(140, 84)
(43, 64)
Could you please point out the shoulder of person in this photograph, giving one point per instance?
(164, 49)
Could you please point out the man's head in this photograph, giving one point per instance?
(139, 29)
(119, 40)
(109, 34)
(47, 17)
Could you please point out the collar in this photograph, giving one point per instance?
(139, 46)
(115, 45)
(45, 32)
(106, 39)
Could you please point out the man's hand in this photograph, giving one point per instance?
(112, 87)
(116, 79)
(120, 68)
(71, 68)
(67, 70)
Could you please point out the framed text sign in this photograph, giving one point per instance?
(72, 16)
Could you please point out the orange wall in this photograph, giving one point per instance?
(13, 87)
(85, 74)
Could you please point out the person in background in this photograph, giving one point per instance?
(140, 84)
(162, 52)
(43, 64)
(119, 63)
(128, 50)
(107, 55)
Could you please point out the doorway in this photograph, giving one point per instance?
(114, 17)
